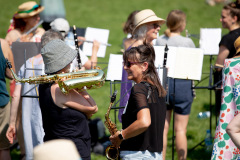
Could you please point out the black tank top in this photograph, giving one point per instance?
(61, 123)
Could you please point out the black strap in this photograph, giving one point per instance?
(149, 89)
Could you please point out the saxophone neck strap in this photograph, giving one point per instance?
(149, 89)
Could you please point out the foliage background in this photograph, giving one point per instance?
(111, 14)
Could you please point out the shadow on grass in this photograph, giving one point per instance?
(199, 154)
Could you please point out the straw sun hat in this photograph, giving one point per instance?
(28, 9)
(57, 55)
(59, 149)
(146, 16)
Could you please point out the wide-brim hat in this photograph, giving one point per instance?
(59, 149)
(28, 9)
(57, 55)
(237, 45)
(146, 16)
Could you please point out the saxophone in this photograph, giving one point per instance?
(90, 79)
(111, 152)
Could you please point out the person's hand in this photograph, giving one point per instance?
(115, 140)
(96, 45)
(11, 133)
(80, 40)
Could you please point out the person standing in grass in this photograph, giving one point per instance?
(223, 147)
(230, 19)
(5, 52)
(146, 27)
(176, 23)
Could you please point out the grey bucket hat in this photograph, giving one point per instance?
(57, 55)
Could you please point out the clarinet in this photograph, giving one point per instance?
(77, 47)
(164, 78)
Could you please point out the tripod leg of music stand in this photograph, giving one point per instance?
(173, 136)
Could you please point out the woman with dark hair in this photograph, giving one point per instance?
(176, 23)
(144, 116)
(127, 29)
(25, 19)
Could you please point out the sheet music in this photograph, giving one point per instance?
(209, 40)
(188, 64)
(115, 67)
(182, 63)
(101, 35)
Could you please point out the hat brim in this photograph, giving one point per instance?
(149, 20)
(26, 15)
(59, 64)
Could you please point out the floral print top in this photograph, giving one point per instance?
(223, 147)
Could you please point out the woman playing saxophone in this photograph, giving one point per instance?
(144, 116)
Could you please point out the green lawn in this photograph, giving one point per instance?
(111, 14)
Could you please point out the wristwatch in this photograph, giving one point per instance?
(120, 136)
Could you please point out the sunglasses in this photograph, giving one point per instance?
(155, 25)
(129, 64)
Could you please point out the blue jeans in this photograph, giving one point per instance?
(140, 155)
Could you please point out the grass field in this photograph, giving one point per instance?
(111, 14)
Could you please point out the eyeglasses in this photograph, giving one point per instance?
(155, 25)
(129, 64)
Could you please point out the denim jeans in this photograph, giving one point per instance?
(140, 155)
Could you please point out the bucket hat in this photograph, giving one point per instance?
(237, 45)
(59, 149)
(61, 25)
(57, 55)
(146, 16)
(28, 9)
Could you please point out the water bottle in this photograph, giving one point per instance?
(208, 141)
(203, 115)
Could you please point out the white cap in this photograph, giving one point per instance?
(61, 25)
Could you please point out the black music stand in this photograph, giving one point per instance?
(210, 87)
(184, 69)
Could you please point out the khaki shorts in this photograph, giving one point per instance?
(4, 123)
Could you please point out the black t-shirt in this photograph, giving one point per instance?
(228, 41)
(152, 138)
(59, 123)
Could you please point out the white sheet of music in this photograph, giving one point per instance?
(209, 40)
(101, 35)
(115, 67)
(182, 63)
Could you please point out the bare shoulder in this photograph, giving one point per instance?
(5, 48)
(13, 35)
(40, 31)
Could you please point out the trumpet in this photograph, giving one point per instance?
(90, 79)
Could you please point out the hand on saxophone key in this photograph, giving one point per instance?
(115, 140)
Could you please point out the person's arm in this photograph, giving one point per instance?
(11, 132)
(233, 130)
(93, 61)
(139, 126)
(7, 52)
(83, 103)
(222, 55)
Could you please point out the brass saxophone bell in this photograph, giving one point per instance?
(111, 152)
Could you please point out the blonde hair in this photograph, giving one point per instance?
(175, 20)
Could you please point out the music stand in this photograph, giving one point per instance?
(209, 40)
(183, 63)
